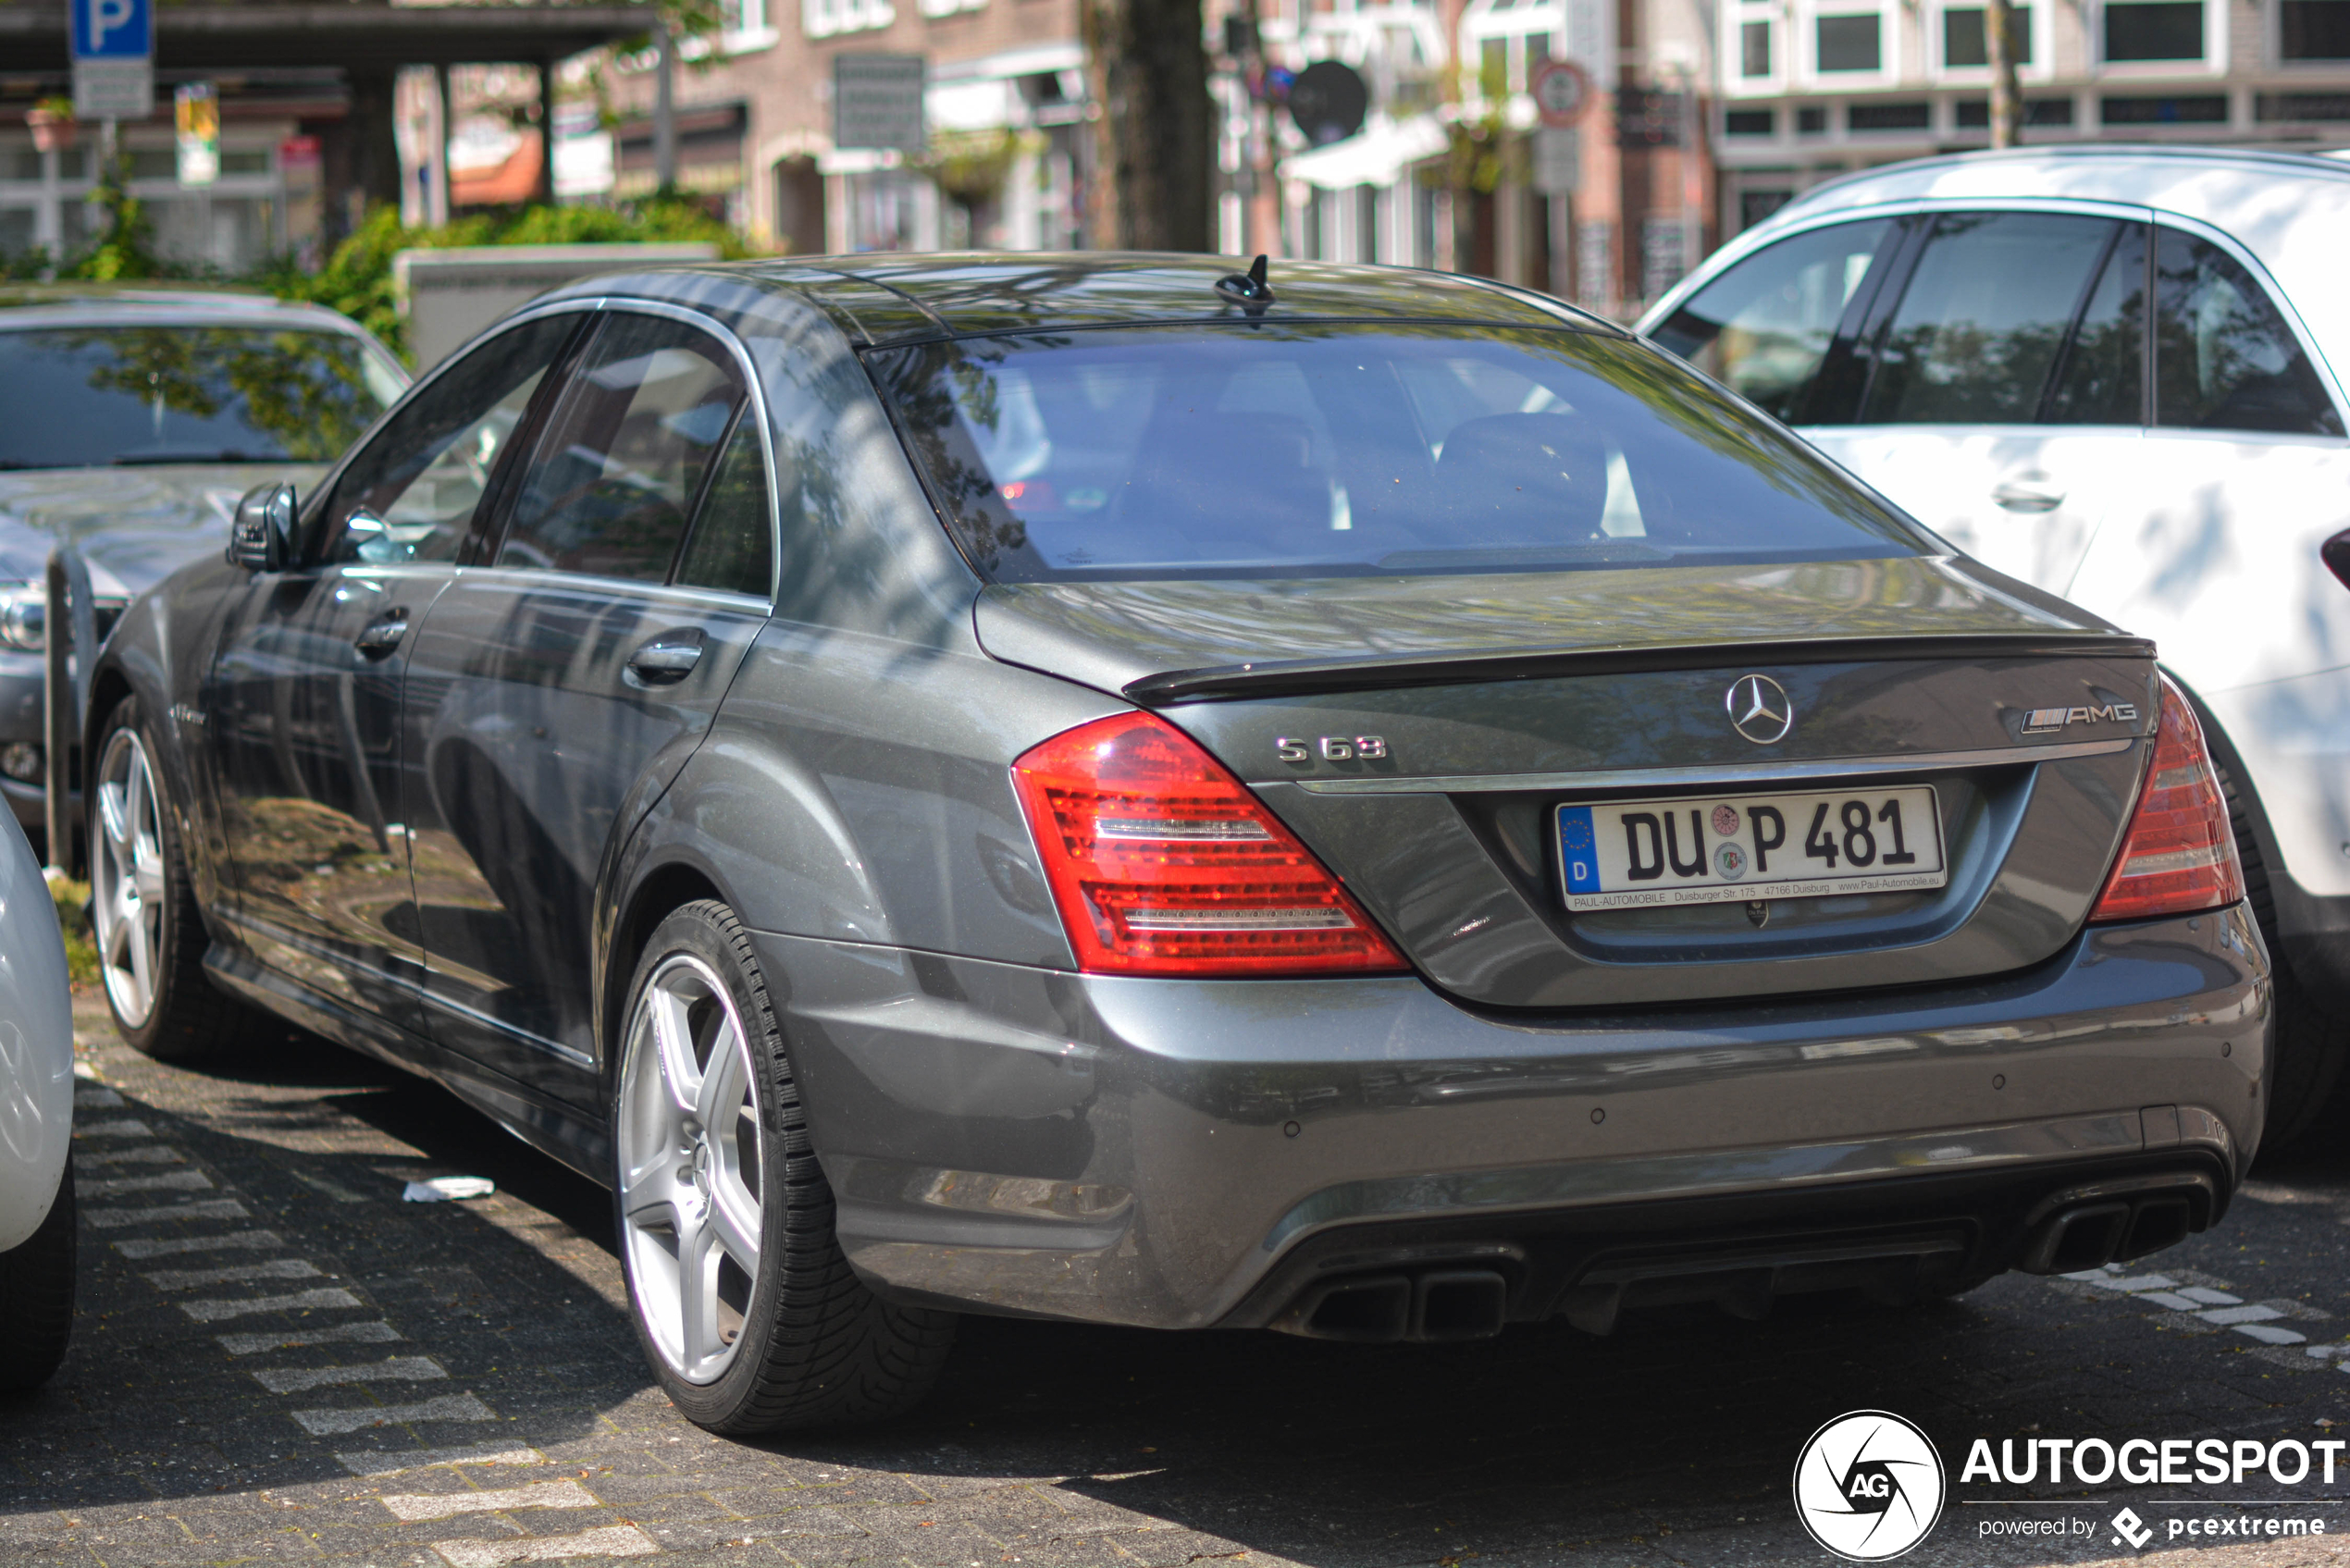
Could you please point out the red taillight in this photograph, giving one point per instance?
(1164, 863)
(2180, 855)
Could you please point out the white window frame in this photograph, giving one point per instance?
(2214, 46)
(1735, 16)
(830, 19)
(1484, 19)
(1943, 73)
(1806, 20)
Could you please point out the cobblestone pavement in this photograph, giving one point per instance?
(280, 1361)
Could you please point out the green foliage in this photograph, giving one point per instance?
(126, 250)
(357, 279)
(73, 899)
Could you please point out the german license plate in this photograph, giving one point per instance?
(1630, 854)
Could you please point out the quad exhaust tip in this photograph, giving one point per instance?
(1439, 1306)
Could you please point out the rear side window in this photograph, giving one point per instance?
(631, 438)
(731, 546)
(1764, 326)
(2224, 357)
(1987, 308)
(2102, 380)
(1307, 451)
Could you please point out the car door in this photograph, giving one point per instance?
(303, 688)
(2243, 475)
(551, 692)
(1998, 393)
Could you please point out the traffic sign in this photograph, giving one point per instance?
(114, 58)
(1561, 89)
(1558, 160)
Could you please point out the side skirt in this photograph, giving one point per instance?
(546, 1124)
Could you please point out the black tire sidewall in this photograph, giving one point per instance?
(695, 931)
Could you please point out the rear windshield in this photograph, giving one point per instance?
(88, 397)
(1298, 449)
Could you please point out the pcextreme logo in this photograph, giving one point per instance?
(1869, 1486)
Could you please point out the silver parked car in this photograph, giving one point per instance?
(1358, 803)
(132, 418)
(2108, 372)
(37, 1229)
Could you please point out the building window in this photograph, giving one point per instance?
(1888, 116)
(1754, 49)
(2302, 107)
(2314, 30)
(1810, 122)
(2155, 109)
(1851, 43)
(2154, 30)
(1966, 41)
(823, 18)
(1750, 122)
(1974, 113)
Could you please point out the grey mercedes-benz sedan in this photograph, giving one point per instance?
(1358, 802)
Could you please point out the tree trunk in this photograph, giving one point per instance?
(2006, 100)
(1153, 135)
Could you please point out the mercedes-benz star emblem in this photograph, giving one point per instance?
(1759, 708)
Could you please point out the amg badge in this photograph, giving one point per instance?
(2040, 720)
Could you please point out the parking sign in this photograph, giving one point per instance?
(114, 49)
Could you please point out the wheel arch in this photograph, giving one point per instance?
(654, 892)
(2312, 932)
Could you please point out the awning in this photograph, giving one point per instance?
(1377, 154)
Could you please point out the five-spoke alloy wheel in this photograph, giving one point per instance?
(689, 1189)
(749, 1313)
(151, 933)
(126, 877)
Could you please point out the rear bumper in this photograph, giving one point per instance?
(1180, 1153)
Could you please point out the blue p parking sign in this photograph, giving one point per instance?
(113, 29)
(113, 50)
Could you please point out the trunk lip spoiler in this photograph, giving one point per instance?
(1298, 677)
(1741, 774)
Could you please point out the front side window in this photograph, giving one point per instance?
(2224, 357)
(632, 433)
(425, 472)
(88, 397)
(2154, 30)
(1765, 326)
(1978, 327)
(1300, 450)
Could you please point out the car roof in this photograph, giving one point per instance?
(26, 305)
(2290, 210)
(882, 299)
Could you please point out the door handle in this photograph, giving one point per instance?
(2027, 495)
(381, 636)
(667, 658)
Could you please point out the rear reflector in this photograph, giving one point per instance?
(1163, 863)
(2180, 855)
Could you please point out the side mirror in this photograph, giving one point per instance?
(261, 537)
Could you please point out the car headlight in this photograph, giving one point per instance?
(24, 616)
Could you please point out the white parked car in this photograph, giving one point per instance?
(36, 1123)
(2107, 371)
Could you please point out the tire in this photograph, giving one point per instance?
(787, 1338)
(2305, 1062)
(144, 907)
(36, 1295)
